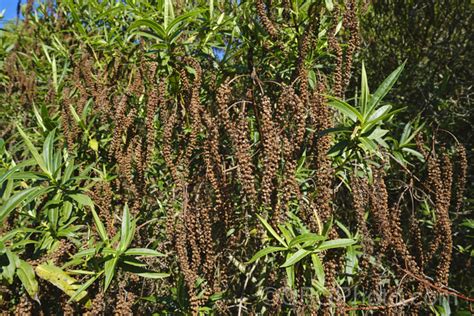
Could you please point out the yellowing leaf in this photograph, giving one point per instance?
(94, 144)
(61, 280)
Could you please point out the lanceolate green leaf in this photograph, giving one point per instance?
(109, 270)
(39, 159)
(48, 151)
(272, 231)
(336, 243)
(8, 173)
(318, 268)
(379, 119)
(290, 273)
(143, 252)
(157, 28)
(82, 199)
(346, 109)
(364, 92)
(168, 12)
(183, 17)
(85, 200)
(329, 4)
(264, 252)
(377, 133)
(296, 257)
(24, 196)
(27, 277)
(100, 226)
(379, 112)
(126, 231)
(153, 275)
(384, 88)
(9, 270)
(308, 237)
(84, 287)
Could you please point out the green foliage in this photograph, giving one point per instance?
(364, 129)
(301, 251)
(105, 259)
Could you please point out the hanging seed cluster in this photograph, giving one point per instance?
(229, 147)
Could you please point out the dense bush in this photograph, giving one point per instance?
(177, 157)
(434, 39)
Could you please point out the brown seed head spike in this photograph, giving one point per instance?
(267, 24)
(336, 47)
(352, 24)
(271, 150)
(155, 99)
(443, 201)
(461, 176)
(244, 158)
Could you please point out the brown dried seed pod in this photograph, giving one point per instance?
(25, 307)
(98, 304)
(267, 24)
(443, 201)
(212, 160)
(124, 303)
(398, 242)
(336, 47)
(76, 77)
(195, 110)
(305, 41)
(242, 149)
(68, 124)
(155, 99)
(167, 149)
(289, 186)
(119, 124)
(387, 220)
(360, 198)
(461, 176)
(271, 150)
(417, 241)
(379, 207)
(351, 22)
(102, 196)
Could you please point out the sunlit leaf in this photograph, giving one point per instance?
(264, 252)
(296, 257)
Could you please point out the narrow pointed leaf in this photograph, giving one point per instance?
(385, 87)
(84, 287)
(306, 238)
(157, 28)
(272, 231)
(109, 270)
(39, 160)
(364, 91)
(264, 252)
(26, 274)
(153, 275)
(143, 252)
(48, 151)
(336, 243)
(346, 109)
(380, 111)
(296, 257)
(23, 196)
(82, 199)
(126, 229)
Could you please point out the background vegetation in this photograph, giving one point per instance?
(236, 157)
